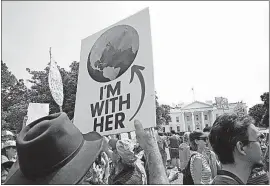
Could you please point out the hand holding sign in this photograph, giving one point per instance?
(145, 138)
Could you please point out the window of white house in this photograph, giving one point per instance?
(205, 117)
(188, 118)
(170, 128)
(189, 129)
(197, 117)
(163, 129)
(177, 119)
(178, 128)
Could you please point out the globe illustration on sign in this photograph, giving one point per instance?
(113, 53)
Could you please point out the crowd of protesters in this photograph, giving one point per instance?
(51, 150)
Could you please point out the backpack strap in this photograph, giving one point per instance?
(233, 176)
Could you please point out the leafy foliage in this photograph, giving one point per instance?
(14, 97)
(265, 118)
(260, 112)
(162, 114)
(257, 112)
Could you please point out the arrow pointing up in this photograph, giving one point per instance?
(137, 69)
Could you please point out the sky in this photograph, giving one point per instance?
(219, 48)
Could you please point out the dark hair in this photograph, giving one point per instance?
(173, 132)
(226, 131)
(207, 129)
(192, 137)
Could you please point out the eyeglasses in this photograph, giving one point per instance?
(259, 139)
(203, 138)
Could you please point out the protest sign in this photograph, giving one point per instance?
(116, 83)
(222, 103)
(239, 109)
(36, 111)
(55, 84)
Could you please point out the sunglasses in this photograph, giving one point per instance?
(203, 138)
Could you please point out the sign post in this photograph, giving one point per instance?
(116, 81)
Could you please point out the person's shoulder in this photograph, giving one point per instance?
(195, 155)
(224, 180)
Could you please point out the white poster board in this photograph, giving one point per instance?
(36, 111)
(116, 81)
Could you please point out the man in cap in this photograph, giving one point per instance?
(128, 169)
(9, 150)
(7, 135)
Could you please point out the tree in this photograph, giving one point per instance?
(260, 112)
(14, 97)
(257, 112)
(265, 118)
(162, 114)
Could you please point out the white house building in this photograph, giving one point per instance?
(197, 115)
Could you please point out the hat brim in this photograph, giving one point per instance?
(70, 173)
(9, 146)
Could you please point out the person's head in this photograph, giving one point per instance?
(112, 143)
(186, 137)
(125, 151)
(5, 166)
(51, 150)
(173, 132)
(9, 149)
(198, 140)
(236, 140)
(207, 130)
(7, 135)
(95, 174)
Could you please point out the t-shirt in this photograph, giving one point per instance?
(206, 171)
(226, 178)
(184, 154)
(258, 177)
(174, 141)
(212, 161)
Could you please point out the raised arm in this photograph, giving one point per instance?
(157, 174)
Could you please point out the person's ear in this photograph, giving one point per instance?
(241, 148)
(196, 141)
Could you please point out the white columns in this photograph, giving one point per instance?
(183, 121)
(212, 118)
(193, 121)
(202, 116)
